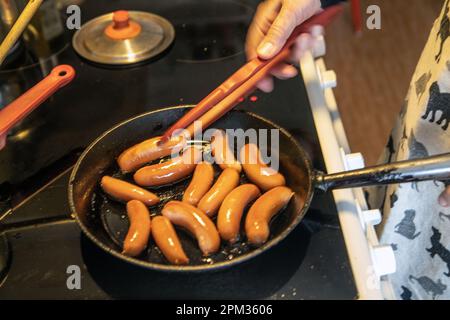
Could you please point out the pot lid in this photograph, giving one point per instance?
(123, 37)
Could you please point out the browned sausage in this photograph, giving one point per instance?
(196, 222)
(222, 153)
(138, 155)
(200, 183)
(139, 231)
(231, 210)
(167, 240)
(169, 171)
(211, 201)
(262, 211)
(125, 191)
(258, 172)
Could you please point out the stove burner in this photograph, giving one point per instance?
(219, 34)
(44, 39)
(28, 64)
(26, 58)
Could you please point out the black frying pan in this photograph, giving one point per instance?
(105, 223)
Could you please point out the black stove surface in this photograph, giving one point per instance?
(39, 239)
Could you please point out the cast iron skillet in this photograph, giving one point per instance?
(105, 223)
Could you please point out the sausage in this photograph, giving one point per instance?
(231, 210)
(125, 191)
(258, 172)
(131, 159)
(137, 237)
(262, 211)
(196, 222)
(222, 153)
(169, 171)
(211, 201)
(167, 240)
(200, 183)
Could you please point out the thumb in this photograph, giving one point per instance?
(278, 33)
(444, 198)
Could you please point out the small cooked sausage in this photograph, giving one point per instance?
(200, 183)
(169, 171)
(167, 240)
(231, 210)
(222, 153)
(262, 211)
(196, 222)
(139, 231)
(138, 155)
(258, 172)
(211, 201)
(124, 191)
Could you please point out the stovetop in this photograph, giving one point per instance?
(39, 239)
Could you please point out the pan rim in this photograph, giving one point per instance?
(197, 268)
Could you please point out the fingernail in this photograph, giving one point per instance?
(289, 71)
(303, 42)
(443, 202)
(265, 49)
(293, 72)
(316, 30)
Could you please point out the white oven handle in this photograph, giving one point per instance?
(370, 262)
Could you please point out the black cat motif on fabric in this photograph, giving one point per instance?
(406, 227)
(438, 102)
(406, 294)
(390, 148)
(444, 31)
(421, 84)
(443, 215)
(417, 150)
(437, 248)
(393, 199)
(434, 288)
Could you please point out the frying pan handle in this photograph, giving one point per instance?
(30, 100)
(431, 168)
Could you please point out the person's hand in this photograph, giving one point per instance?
(444, 198)
(272, 25)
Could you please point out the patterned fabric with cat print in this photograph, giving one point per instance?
(415, 225)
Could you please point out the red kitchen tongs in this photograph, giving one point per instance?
(30, 100)
(247, 76)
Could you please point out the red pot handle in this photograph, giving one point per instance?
(30, 100)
